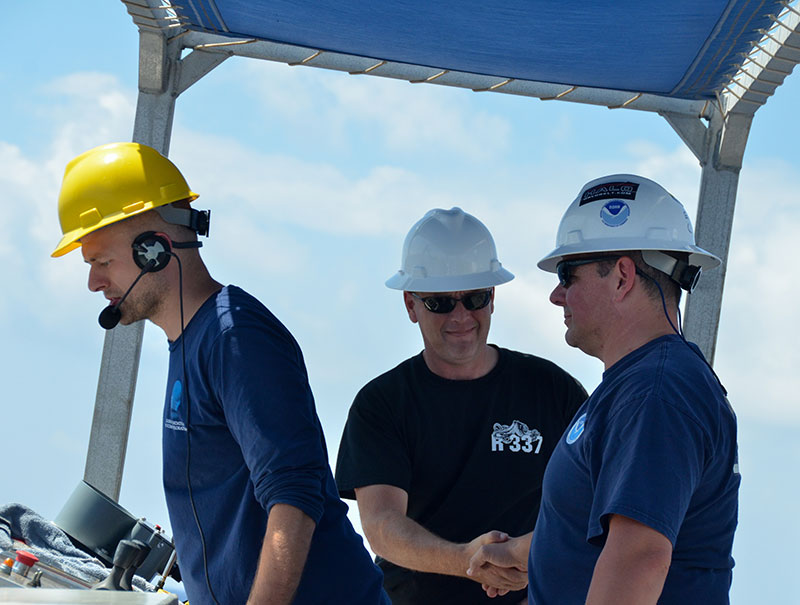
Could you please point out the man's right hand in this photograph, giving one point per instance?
(501, 565)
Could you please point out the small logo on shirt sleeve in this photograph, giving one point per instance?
(577, 430)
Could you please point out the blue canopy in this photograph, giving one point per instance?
(687, 49)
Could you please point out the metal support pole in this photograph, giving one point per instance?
(719, 148)
(113, 405)
(163, 76)
(713, 227)
(116, 386)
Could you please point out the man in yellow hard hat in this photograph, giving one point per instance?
(252, 501)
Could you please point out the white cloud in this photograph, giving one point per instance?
(84, 110)
(677, 170)
(263, 249)
(87, 109)
(407, 117)
(17, 175)
(281, 190)
(757, 354)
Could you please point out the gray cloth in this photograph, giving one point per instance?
(53, 547)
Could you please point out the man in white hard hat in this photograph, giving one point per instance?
(251, 497)
(640, 497)
(446, 451)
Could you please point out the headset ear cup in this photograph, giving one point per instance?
(149, 246)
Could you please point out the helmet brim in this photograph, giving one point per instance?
(697, 256)
(455, 283)
(71, 240)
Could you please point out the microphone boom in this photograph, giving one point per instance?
(110, 316)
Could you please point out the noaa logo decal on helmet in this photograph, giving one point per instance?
(615, 213)
(576, 430)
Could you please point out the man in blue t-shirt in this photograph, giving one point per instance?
(640, 497)
(251, 497)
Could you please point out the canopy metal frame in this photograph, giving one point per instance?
(172, 58)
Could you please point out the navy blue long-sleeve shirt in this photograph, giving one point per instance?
(254, 440)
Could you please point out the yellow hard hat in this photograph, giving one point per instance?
(113, 182)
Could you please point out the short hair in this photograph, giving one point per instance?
(655, 281)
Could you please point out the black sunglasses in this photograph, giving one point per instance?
(472, 301)
(565, 267)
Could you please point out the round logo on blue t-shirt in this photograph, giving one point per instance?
(576, 430)
(615, 213)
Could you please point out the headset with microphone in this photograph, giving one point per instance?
(151, 253)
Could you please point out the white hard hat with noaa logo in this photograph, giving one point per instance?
(626, 212)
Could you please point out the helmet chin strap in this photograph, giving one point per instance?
(683, 273)
(196, 220)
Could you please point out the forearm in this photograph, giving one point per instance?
(401, 540)
(404, 542)
(283, 556)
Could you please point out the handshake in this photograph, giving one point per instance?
(499, 562)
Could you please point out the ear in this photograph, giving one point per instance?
(625, 275)
(409, 302)
(491, 304)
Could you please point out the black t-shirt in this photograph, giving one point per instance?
(470, 454)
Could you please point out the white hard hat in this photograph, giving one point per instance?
(625, 212)
(448, 251)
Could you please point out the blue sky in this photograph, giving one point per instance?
(314, 178)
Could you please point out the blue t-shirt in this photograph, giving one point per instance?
(655, 442)
(254, 440)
